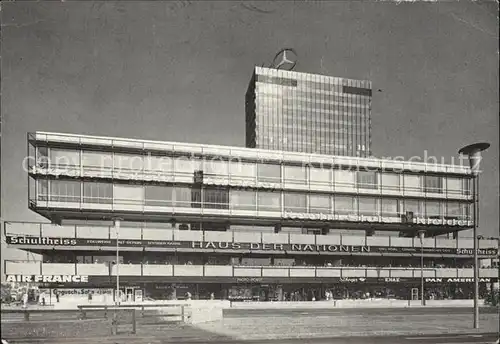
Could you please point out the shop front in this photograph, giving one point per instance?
(137, 289)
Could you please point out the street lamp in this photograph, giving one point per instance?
(473, 152)
(421, 235)
(116, 223)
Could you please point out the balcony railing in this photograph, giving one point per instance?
(102, 269)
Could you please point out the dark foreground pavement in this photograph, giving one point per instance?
(481, 338)
(241, 312)
(290, 326)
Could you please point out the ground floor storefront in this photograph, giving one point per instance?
(269, 289)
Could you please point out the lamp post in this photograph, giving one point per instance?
(116, 223)
(421, 235)
(473, 152)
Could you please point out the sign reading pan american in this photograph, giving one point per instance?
(237, 246)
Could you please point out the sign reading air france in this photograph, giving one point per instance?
(48, 278)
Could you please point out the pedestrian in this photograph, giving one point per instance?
(25, 300)
(57, 295)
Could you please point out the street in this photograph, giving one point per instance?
(288, 326)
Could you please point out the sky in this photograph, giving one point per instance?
(179, 70)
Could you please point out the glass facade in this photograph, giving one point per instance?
(240, 173)
(308, 113)
(209, 197)
(246, 183)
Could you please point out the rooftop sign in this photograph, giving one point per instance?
(375, 219)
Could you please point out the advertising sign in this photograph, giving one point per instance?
(238, 246)
(138, 295)
(374, 219)
(48, 278)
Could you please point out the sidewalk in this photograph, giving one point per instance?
(315, 326)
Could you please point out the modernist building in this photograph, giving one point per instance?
(240, 223)
(301, 112)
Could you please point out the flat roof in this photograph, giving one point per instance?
(304, 75)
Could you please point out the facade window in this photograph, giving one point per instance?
(128, 194)
(454, 186)
(414, 206)
(433, 209)
(214, 167)
(269, 173)
(128, 162)
(94, 192)
(242, 170)
(276, 80)
(390, 207)
(433, 184)
(467, 211)
(183, 197)
(320, 176)
(320, 204)
(357, 90)
(367, 180)
(42, 189)
(64, 191)
(391, 181)
(466, 186)
(269, 201)
(295, 174)
(158, 196)
(412, 183)
(345, 205)
(368, 206)
(186, 166)
(243, 200)
(343, 178)
(42, 157)
(453, 210)
(457, 210)
(97, 160)
(196, 197)
(163, 164)
(64, 158)
(295, 202)
(216, 198)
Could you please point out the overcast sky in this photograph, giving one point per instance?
(178, 71)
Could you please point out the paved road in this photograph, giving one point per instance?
(261, 324)
(368, 312)
(481, 338)
(329, 326)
